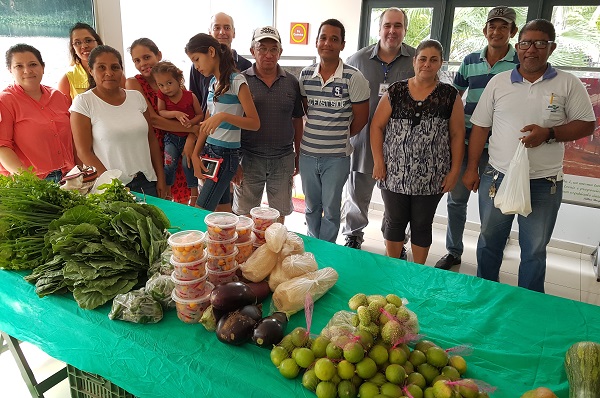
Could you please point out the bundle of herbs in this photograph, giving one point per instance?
(27, 207)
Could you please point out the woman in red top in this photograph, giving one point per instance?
(35, 131)
(145, 55)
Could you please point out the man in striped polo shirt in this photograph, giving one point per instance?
(336, 102)
(474, 74)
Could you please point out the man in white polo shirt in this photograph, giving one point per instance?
(543, 107)
(336, 101)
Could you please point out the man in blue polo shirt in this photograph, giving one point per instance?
(336, 101)
(270, 155)
(474, 74)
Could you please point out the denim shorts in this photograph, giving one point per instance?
(141, 185)
(217, 192)
(54, 176)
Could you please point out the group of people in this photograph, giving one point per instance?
(383, 117)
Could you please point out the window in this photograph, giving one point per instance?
(467, 30)
(577, 36)
(419, 25)
(44, 25)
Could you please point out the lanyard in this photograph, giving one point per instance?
(386, 69)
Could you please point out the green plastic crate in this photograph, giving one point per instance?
(90, 385)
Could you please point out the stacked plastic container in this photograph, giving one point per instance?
(221, 265)
(263, 217)
(192, 291)
(245, 240)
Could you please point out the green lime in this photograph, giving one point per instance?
(356, 380)
(346, 370)
(346, 389)
(304, 357)
(458, 363)
(417, 379)
(451, 373)
(319, 346)
(300, 337)
(288, 368)
(278, 354)
(424, 345)
(415, 391)
(468, 388)
(428, 393)
(441, 390)
(436, 357)
(333, 351)
(391, 390)
(325, 369)
(365, 338)
(326, 389)
(417, 357)
(368, 390)
(286, 343)
(379, 354)
(395, 374)
(354, 352)
(408, 366)
(310, 380)
(429, 372)
(397, 355)
(379, 379)
(366, 368)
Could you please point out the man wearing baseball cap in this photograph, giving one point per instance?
(474, 73)
(270, 155)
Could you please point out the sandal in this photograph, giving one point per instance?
(192, 201)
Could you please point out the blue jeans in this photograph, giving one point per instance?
(173, 152)
(535, 231)
(323, 179)
(458, 199)
(214, 193)
(141, 184)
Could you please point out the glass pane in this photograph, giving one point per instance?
(467, 30)
(44, 25)
(419, 25)
(577, 36)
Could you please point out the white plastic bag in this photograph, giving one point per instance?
(514, 196)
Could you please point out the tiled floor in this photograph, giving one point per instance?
(569, 275)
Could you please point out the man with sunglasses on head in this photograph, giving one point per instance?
(474, 73)
(270, 155)
(543, 108)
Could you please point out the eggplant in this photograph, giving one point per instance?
(235, 328)
(260, 289)
(231, 296)
(281, 317)
(268, 332)
(253, 311)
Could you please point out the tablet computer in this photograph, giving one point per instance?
(212, 165)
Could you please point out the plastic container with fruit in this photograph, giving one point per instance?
(221, 247)
(189, 290)
(189, 271)
(222, 263)
(220, 277)
(245, 250)
(190, 311)
(220, 225)
(244, 229)
(263, 217)
(187, 246)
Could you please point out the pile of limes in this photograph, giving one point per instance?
(356, 361)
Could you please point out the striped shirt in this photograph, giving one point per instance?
(474, 74)
(327, 129)
(226, 135)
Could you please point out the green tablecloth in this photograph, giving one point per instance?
(518, 337)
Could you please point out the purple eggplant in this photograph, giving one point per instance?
(231, 296)
(268, 332)
(235, 328)
(253, 311)
(281, 317)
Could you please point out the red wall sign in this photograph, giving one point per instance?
(299, 33)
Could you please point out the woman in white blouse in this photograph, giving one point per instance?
(111, 129)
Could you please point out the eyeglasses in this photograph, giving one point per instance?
(264, 50)
(87, 42)
(539, 44)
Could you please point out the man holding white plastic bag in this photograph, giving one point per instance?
(542, 107)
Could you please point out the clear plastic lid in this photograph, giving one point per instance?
(186, 282)
(191, 264)
(208, 288)
(244, 222)
(221, 219)
(186, 238)
(266, 213)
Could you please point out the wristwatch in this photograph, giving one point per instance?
(551, 136)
